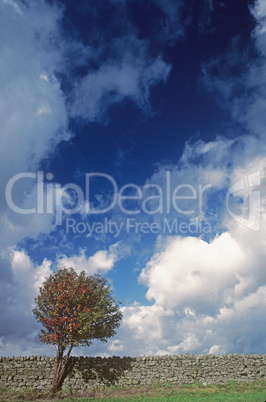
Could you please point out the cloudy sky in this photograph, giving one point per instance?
(133, 146)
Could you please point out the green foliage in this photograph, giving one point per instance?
(75, 309)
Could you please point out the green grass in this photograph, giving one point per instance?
(231, 391)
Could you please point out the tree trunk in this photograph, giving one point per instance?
(59, 369)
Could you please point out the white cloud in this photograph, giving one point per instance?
(32, 109)
(189, 272)
(208, 297)
(145, 321)
(28, 277)
(114, 81)
(20, 282)
(32, 106)
(101, 262)
(237, 326)
(188, 345)
(259, 12)
(115, 346)
(244, 93)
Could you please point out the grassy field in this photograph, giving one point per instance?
(241, 392)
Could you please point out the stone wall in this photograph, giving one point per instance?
(85, 372)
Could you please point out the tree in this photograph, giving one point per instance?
(74, 309)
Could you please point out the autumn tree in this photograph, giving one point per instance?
(74, 309)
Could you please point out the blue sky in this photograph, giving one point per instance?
(133, 146)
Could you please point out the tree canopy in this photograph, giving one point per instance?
(74, 309)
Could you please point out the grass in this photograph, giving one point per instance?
(230, 391)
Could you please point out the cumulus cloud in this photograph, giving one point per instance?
(207, 298)
(115, 346)
(101, 262)
(177, 279)
(19, 287)
(143, 330)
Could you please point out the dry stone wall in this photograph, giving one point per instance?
(85, 372)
